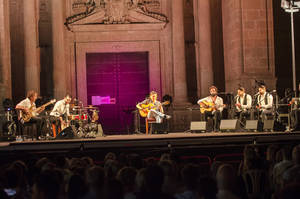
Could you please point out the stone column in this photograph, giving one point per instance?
(5, 64)
(31, 46)
(179, 72)
(202, 14)
(58, 30)
(248, 44)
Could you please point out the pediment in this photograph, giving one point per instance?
(115, 12)
(132, 17)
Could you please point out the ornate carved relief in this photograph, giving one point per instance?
(115, 12)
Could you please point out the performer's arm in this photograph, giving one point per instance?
(220, 104)
(22, 106)
(201, 100)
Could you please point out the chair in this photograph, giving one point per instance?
(147, 122)
(26, 130)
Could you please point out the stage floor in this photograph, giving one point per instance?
(134, 141)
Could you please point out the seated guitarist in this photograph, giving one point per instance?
(263, 101)
(27, 105)
(213, 107)
(60, 112)
(153, 108)
(243, 103)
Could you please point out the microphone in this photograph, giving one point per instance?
(256, 94)
(273, 91)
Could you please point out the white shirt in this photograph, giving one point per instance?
(240, 100)
(60, 108)
(26, 103)
(218, 102)
(261, 101)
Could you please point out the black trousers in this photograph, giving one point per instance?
(216, 118)
(40, 123)
(242, 116)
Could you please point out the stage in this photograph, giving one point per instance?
(136, 142)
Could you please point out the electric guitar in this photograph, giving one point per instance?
(147, 107)
(209, 106)
(26, 116)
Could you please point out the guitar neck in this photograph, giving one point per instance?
(44, 105)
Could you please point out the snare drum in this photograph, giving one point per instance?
(84, 116)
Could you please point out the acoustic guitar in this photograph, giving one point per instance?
(147, 107)
(209, 106)
(26, 116)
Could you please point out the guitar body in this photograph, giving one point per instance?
(206, 106)
(27, 116)
(145, 109)
(31, 113)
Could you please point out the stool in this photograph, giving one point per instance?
(149, 121)
(29, 130)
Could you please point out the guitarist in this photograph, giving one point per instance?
(243, 103)
(27, 105)
(154, 108)
(214, 110)
(263, 101)
(60, 113)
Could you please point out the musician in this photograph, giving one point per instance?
(295, 109)
(27, 106)
(61, 111)
(243, 102)
(156, 110)
(263, 102)
(215, 111)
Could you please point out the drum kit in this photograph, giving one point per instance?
(84, 119)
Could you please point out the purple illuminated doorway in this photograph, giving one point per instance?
(119, 81)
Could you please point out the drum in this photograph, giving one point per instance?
(84, 116)
(74, 117)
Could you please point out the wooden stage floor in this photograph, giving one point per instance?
(135, 141)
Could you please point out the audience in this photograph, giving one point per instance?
(271, 175)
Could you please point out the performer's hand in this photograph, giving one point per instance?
(238, 105)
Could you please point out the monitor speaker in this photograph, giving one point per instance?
(228, 125)
(251, 125)
(198, 126)
(67, 133)
(268, 125)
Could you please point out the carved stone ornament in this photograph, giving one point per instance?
(115, 12)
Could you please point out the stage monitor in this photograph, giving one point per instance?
(268, 125)
(198, 126)
(228, 125)
(251, 125)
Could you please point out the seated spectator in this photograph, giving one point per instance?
(190, 175)
(127, 177)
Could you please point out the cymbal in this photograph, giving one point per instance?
(91, 107)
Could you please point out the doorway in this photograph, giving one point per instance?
(115, 83)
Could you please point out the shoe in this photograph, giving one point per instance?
(167, 116)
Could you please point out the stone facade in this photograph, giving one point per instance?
(191, 45)
(5, 63)
(248, 43)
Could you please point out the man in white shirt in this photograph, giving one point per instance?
(60, 112)
(27, 106)
(214, 107)
(155, 110)
(243, 102)
(263, 102)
